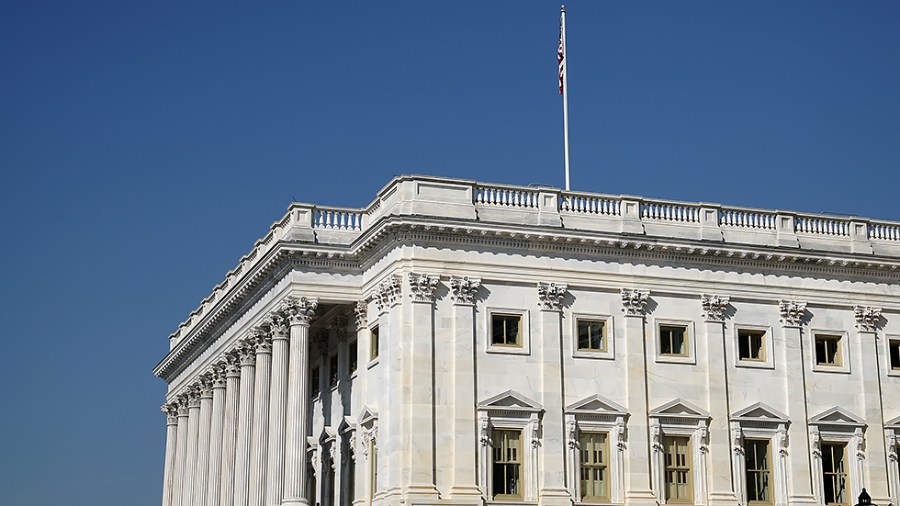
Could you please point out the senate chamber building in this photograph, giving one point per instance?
(461, 343)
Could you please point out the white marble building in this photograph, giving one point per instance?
(455, 342)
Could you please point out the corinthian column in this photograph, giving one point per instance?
(180, 450)
(201, 465)
(277, 404)
(229, 431)
(213, 486)
(259, 434)
(299, 313)
(721, 491)
(171, 411)
(247, 353)
(187, 491)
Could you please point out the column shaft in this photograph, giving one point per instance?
(201, 465)
(187, 492)
(421, 436)
(799, 468)
(721, 491)
(638, 489)
(299, 314)
(229, 431)
(216, 435)
(465, 441)
(171, 412)
(259, 437)
(553, 488)
(245, 425)
(277, 404)
(180, 452)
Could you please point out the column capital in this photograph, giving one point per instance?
(551, 295)
(634, 302)
(206, 386)
(422, 287)
(792, 312)
(232, 364)
(261, 339)
(182, 404)
(387, 293)
(217, 374)
(299, 311)
(171, 412)
(193, 396)
(247, 352)
(714, 307)
(867, 318)
(361, 313)
(278, 325)
(464, 289)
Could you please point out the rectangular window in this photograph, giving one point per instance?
(673, 340)
(752, 345)
(591, 335)
(373, 469)
(507, 464)
(593, 459)
(373, 343)
(834, 473)
(759, 471)
(314, 387)
(828, 350)
(351, 475)
(333, 370)
(679, 481)
(352, 357)
(894, 346)
(505, 330)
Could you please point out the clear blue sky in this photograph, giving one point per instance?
(144, 146)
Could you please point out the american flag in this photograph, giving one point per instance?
(561, 52)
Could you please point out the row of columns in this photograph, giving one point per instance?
(237, 435)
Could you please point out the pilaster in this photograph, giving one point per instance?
(394, 393)
(553, 489)
(638, 488)
(715, 312)
(868, 319)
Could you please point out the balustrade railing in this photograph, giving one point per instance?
(590, 205)
(507, 197)
(884, 232)
(747, 219)
(663, 211)
(337, 219)
(822, 226)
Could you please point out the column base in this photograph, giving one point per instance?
(641, 498)
(802, 499)
(555, 497)
(464, 491)
(422, 494)
(723, 499)
(295, 502)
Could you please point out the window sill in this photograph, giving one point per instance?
(755, 364)
(832, 369)
(372, 363)
(508, 350)
(676, 359)
(596, 355)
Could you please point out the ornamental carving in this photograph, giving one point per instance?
(867, 318)
(551, 295)
(387, 293)
(782, 441)
(621, 436)
(247, 352)
(703, 436)
(535, 434)
(332, 456)
(193, 397)
(656, 438)
(206, 386)
(171, 412)
(232, 364)
(278, 325)
(422, 287)
(570, 429)
(299, 311)
(464, 289)
(892, 447)
(815, 443)
(182, 403)
(361, 312)
(351, 445)
(369, 438)
(316, 460)
(484, 431)
(634, 302)
(860, 441)
(261, 340)
(714, 307)
(792, 313)
(737, 440)
(217, 374)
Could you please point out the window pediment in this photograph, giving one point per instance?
(760, 413)
(596, 405)
(368, 417)
(510, 401)
(837, 417)
(680, 409)
(893, 424)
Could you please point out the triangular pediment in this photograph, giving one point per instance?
(679, 408)
(837, 416)
(367, 417)
(596, 405)
(893, 424)
(510, 401)
(760, 412)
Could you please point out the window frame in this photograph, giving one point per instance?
(680, 418)
(609, 336)
(495, 435)
(510, 411)
(845, 464)
(524, 347)
(760, 421)
(691, 471)
(768, 348)
(597, 414)
(843, 350)
(891, 340)
(689, 356)
(770, 469)
(837, 425)
(374, 344)
(606, 465)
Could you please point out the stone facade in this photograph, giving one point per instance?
(462, 343)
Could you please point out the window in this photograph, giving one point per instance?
(752, 345)
(373, 343)
(507, 464)
(594, 461)
(352, 357)
(894, 346)
(314, 386)
(758, 471)
(678, 469)
(673, 340)
(373, 469)
(505, 330)
(828, 350)
(591, 335)
(333, 370)
(834, 473)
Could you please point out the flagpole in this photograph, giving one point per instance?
(565, 78)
